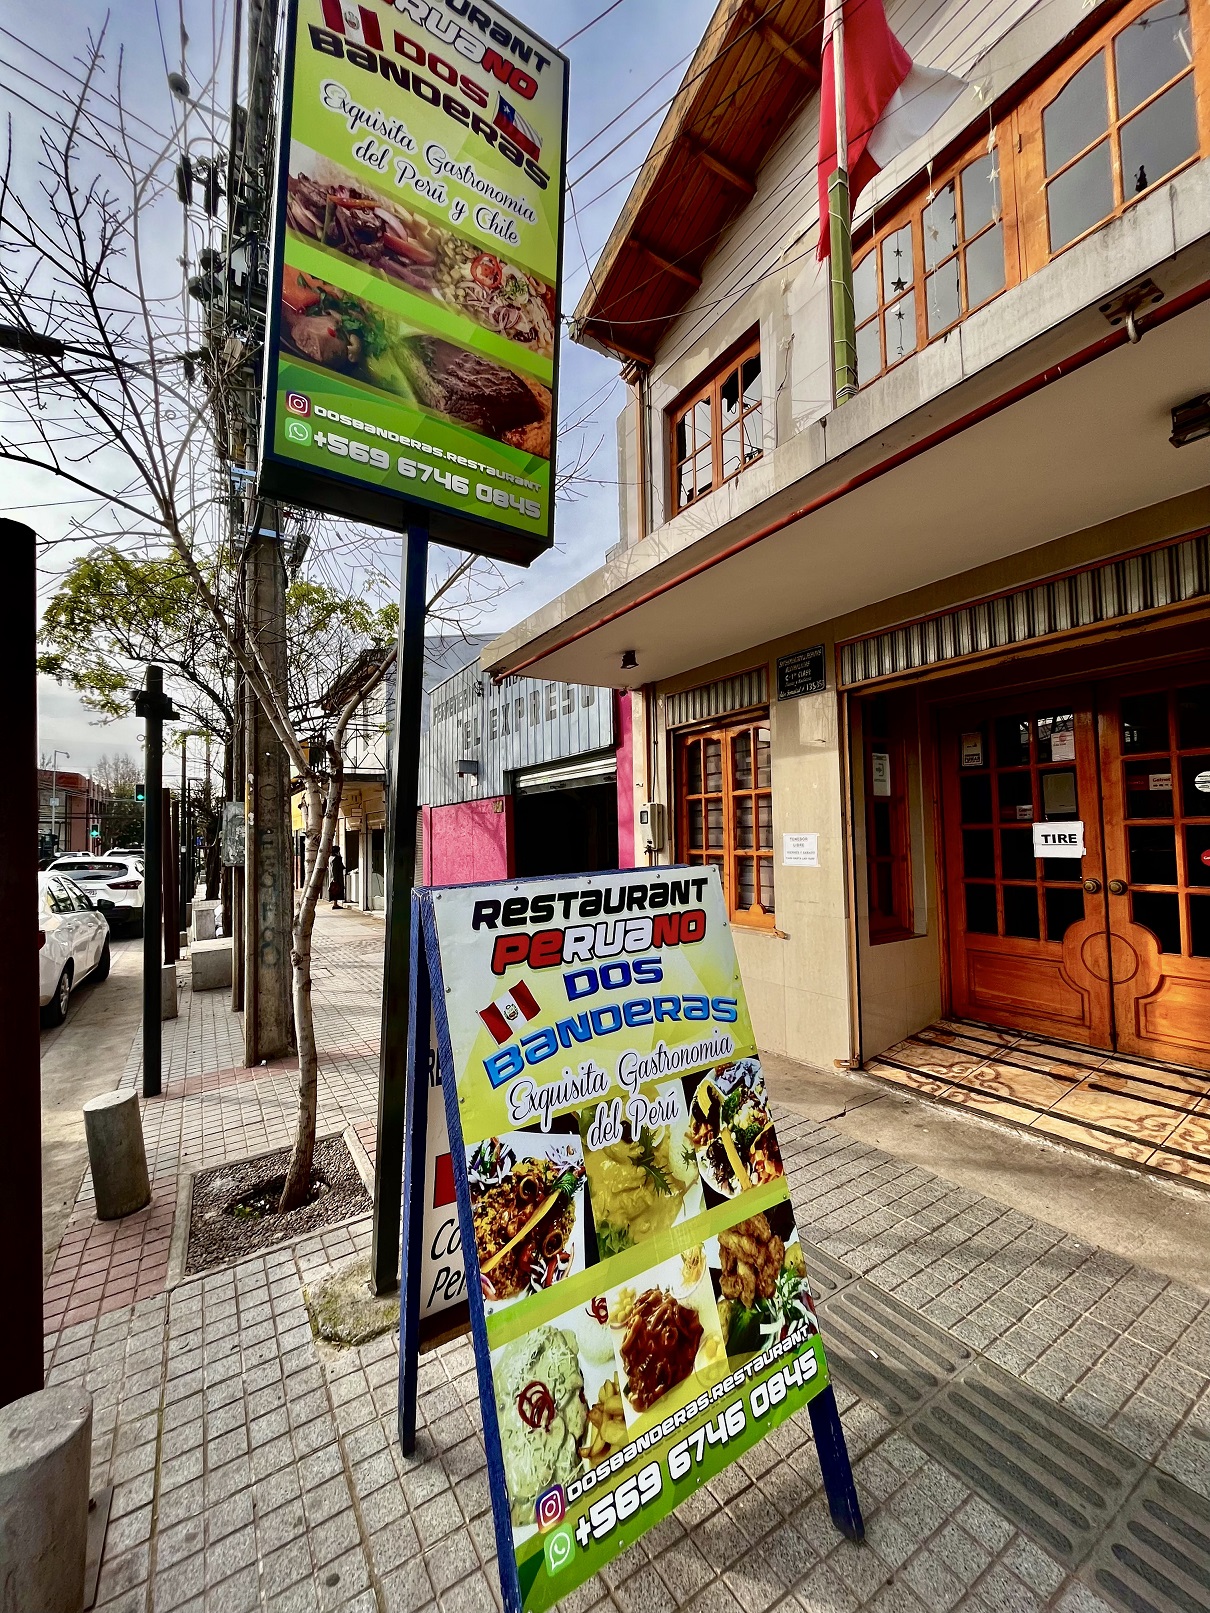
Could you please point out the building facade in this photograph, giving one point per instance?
(71, 813)
(523, 777)
(927, 675)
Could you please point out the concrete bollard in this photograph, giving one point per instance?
(210, 963)
(45, 1454)
(168, 991)
(116, 1154)
(205, 920)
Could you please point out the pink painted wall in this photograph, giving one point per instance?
(624, 724)
(468, 841)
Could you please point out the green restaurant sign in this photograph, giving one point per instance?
(414, 288)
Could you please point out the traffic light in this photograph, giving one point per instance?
(94, 833)
(140, 791)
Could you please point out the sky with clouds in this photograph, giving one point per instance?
(637, 54)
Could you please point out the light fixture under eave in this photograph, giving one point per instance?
(1191, 421)
(630, 660)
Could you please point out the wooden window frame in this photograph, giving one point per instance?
(709, 390)
(1033, 181)
(911, 214)
(727, 857)
(898, 923)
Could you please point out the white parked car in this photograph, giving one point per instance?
(116, 878)
(73, 942)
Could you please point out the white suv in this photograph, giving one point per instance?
(115, 878)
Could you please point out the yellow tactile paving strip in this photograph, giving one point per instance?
(1152, 1114)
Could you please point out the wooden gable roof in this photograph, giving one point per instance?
(751, 74)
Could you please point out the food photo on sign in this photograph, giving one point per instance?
(638, 1287)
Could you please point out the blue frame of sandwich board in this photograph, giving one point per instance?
(426, 995)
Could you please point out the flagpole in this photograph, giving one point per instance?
(844, 340)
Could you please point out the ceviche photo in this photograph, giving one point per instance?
(325, 204)
(525, 1209)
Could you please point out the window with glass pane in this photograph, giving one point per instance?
(725, 813)
(962, 233)
(1124, 122)
(718, 431)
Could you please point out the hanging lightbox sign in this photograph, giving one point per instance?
(411, 352)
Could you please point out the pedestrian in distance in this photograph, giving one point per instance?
(336, 882)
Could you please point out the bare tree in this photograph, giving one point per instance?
(114, 384)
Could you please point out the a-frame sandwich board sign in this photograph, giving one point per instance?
(638, 1297)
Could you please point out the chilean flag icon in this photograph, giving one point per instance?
(507, 1014)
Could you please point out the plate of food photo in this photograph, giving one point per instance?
(645, 1182)
(526, 1205)
(760, 1281)
(731, 1129)
(667, 1338)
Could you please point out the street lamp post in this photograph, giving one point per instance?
(54, 796)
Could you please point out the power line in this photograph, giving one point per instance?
(579, 31)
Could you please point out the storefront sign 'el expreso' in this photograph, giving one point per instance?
(414, 287)
(637, 1283)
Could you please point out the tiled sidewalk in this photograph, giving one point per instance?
(213, 1109)
(254, 1469)
(1155, 1115)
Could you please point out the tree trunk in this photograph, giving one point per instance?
(227, 876)
(321, 831)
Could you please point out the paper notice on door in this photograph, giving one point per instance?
(972, 749)
(1059, 839)
(1159, 781)
(1063, 745)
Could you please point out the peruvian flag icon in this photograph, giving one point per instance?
(507, 1014)
(355, 22)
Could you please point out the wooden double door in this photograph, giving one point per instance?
(1108, 944)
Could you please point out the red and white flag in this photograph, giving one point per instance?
(355, 23)
(505, 1017)
(889, 102)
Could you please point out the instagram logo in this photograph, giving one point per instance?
(550, 1508)
(298, 403)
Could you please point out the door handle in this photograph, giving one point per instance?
(1117, 887)
(1092, 886)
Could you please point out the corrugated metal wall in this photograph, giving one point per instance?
(521, 722)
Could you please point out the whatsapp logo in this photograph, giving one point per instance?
(560, 1549)
(298, 431)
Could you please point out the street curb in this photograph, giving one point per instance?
(178, 1249)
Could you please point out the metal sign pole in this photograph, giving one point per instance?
(400, 877)
(151, 704)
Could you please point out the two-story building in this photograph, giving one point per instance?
(927, 675)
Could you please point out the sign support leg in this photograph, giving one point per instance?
(835, 1465)
(415, 1185)
(401, 876)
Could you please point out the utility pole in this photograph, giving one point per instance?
(154, 707)
(268, 886)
